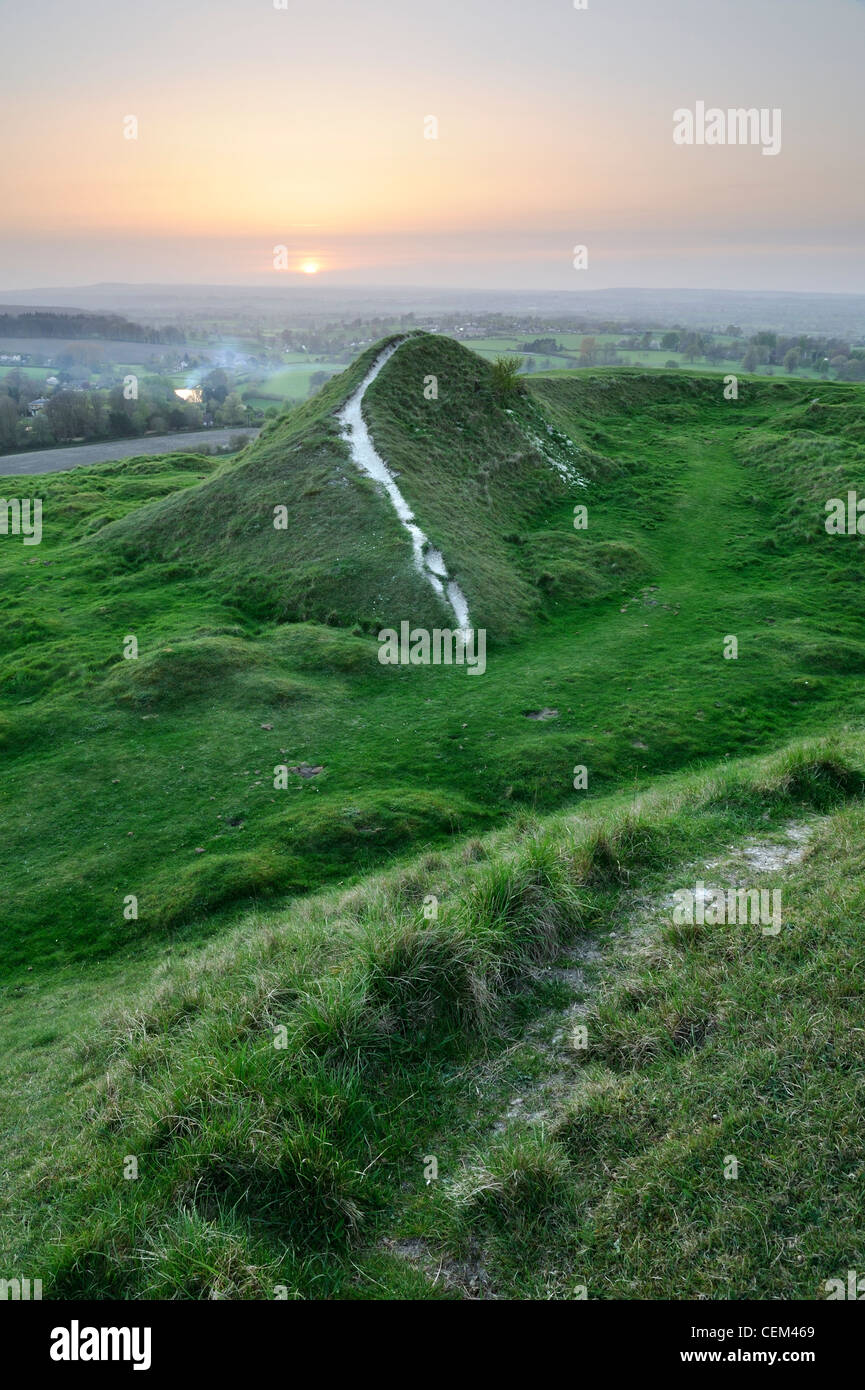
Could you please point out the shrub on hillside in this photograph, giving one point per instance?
(506, 375)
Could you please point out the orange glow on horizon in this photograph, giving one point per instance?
(481, 149)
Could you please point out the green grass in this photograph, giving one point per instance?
(153, 778)
(302, 1164)
(33, 372)
(707, 1047)
(619, 628)
(291, 384)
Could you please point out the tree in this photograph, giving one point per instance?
(791, 360)
(119, 414)
(41, 431)
(8, 422)
(232, 411)
(18, 387)
(541, 345)
(216, 385)
(68, 414)
(749, 361)
(691, 346)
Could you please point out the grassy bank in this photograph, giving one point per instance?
(283, 1091)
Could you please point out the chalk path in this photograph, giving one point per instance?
(428, 561)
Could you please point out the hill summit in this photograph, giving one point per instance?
(295, 530)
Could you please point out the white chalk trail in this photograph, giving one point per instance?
(428, 561)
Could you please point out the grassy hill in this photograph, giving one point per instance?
(478, 469)
(263, 907)
(701, 525)
(342, 558)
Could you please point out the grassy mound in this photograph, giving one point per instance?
(343, 556)
(476, 466)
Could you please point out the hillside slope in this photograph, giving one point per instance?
(341, 559)
(705, 520)
(351, 1100)
(291, 1034)
(471, 464)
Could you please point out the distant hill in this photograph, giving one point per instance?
(787, 311)
(66, 324)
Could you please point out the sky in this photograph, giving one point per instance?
(305, 127)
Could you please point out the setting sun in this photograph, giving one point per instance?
(310, 267)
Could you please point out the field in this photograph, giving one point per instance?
(291, 383)
(259, 908)
(490, 348)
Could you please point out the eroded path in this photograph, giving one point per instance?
(428, 561)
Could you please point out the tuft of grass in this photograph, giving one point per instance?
(520, 1179)
(421, 976)
(524, 908)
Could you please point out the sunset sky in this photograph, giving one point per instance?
(304, 127)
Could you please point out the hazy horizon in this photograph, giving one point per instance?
(324, 283)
